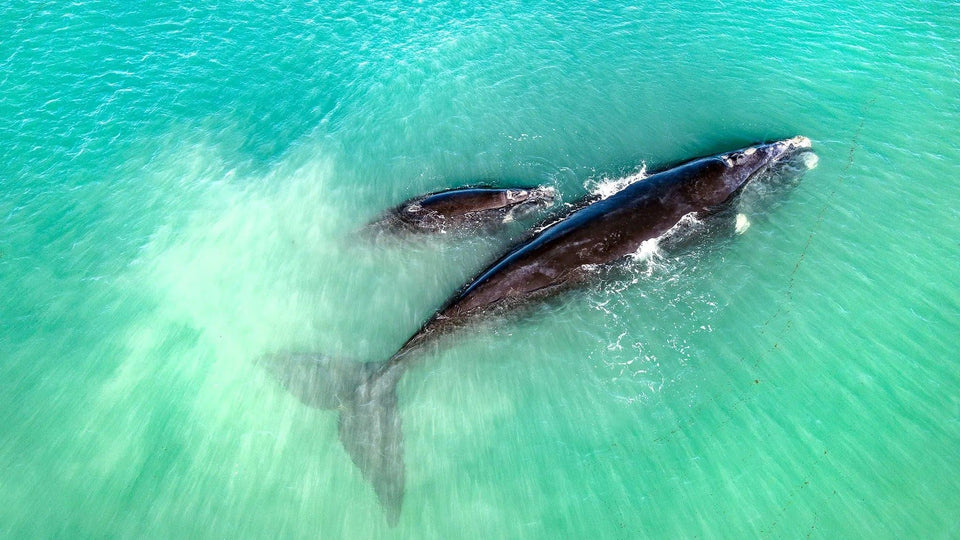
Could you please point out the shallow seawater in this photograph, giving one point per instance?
(179, 193)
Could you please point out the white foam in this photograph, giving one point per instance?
(649, 250)
(686, 223)
(743, 223)
(810, 160)
(610, 186)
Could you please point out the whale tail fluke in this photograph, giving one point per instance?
(370, 432)
(369, 426)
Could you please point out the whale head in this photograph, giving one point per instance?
(731, 171)
(524, 202)
(539, 195)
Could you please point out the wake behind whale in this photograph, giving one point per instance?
(560, 255)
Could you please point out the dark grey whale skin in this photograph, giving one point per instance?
(599, 233)
(461, 209)
(606, 231)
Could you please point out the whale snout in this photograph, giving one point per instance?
(532, 200)
(545, 194)
(788, 148)
(799, 142)
(763, 157)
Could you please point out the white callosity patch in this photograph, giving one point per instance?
(802, 142)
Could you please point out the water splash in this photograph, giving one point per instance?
(606, 187)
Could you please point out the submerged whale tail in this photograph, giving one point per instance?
(369, 426)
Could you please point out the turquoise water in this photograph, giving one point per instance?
(178, 188)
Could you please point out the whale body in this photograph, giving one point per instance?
(463, 209)
(600, 233)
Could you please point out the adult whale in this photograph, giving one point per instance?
(600, 233)
(463, 208)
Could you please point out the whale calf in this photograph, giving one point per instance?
(463, 209)
(560, 254)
